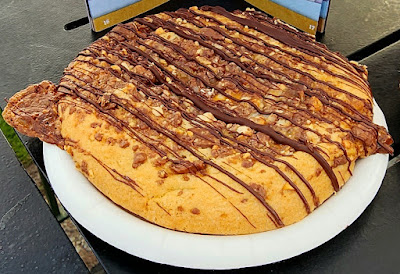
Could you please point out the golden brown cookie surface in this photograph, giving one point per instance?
(210, 122)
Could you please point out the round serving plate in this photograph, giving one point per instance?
(122, 230)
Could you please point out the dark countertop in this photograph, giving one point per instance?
(36, 47)
(30, 241)
(354, 25)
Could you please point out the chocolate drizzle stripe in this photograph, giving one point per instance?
(163, 209)
(240, 212)
(237, 170)
(222, 183)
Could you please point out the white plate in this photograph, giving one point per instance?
(118, 228)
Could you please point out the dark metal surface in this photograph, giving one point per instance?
(31, 240)
(34, 44)
(353, 25)
(35, 47)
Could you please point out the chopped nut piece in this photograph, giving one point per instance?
(72, 110)
(340, 161)
(115, 67)
(179, 168)
(69, 150)
(259, 189)
(207, 117)
(95, 124)
(221, 151)
(203, 138)
(135, 148)
(139, 159)
(157, 111)
(98, 136)
(195, 211)
(203, 143)
(200, 165)
(210, 33)
(244, 130)
(84, 167)
(159, 31)
(316, 103)
(111, 141)
(123, 143)
(160, 161)
(162, 174)
(247, 163)
(176, 119)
